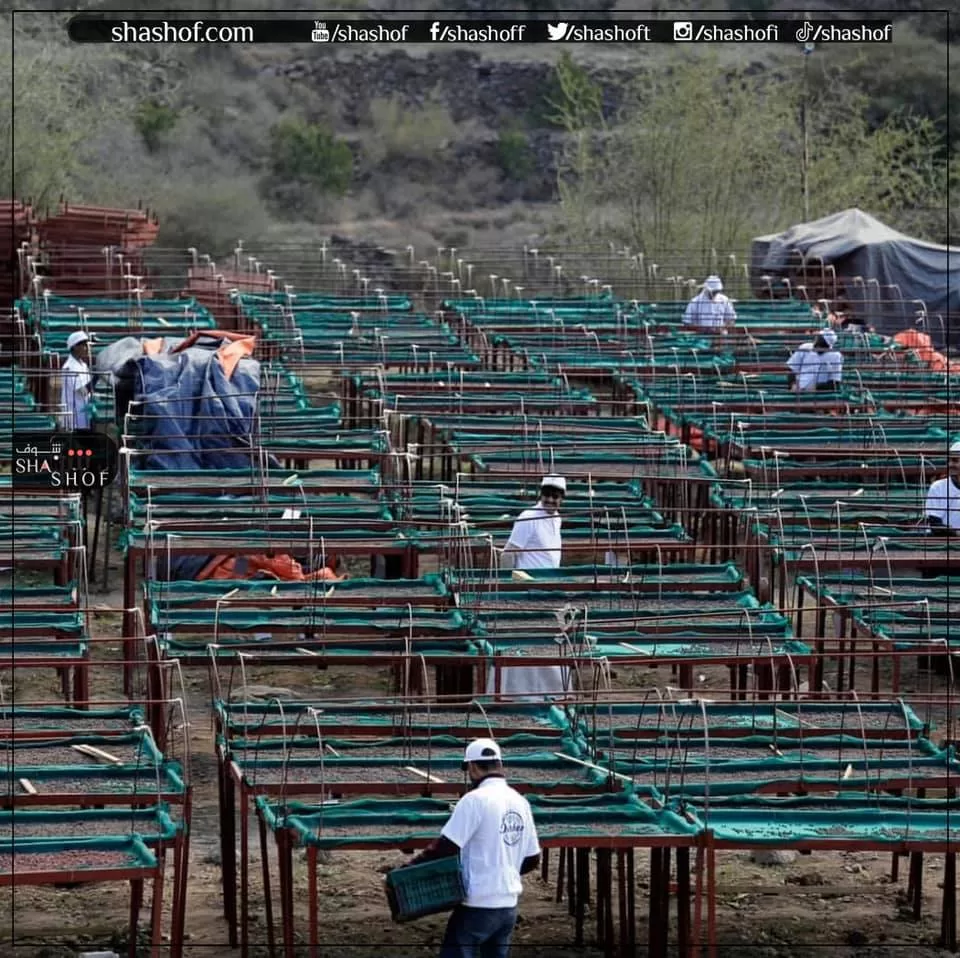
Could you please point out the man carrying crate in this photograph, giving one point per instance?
(492, 831)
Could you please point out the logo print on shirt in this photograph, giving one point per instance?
(511, 828)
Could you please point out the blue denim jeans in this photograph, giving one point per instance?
(479, 933)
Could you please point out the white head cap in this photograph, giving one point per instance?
(955, 448)
(482, 750)
(554, 482)
(75, 339)
(714, 284)
(829, 336)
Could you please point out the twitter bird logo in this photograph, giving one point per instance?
(557, 31)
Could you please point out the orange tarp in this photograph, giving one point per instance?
(285, 568)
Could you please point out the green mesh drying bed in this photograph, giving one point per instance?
(377, 652)
(389, 593)
(710, 578)
(485, 447)
(37, 508)
(903, 543)
(299, 741)
(29, 720)
(677, 778)
(640, 538)
(883, 463)
(319, 617)
(390, 823)
(31, 545)
(627, 464)
(61, 861)
(512, 650)
(460, 378)
(882, 439)
(62, 310)
(541, 429)
(304, 441)
(864, 593)
(53, 597)
(151, 825)
(402, 766)
(223, 480)
(820, 500)
(31, 653)
(133, 750)
(492, 610)
(383, 717)
(604, 530)
(18, 622)
(623, 721)
(713, 751)
(252, 304)
(319, 327)
(173, 507)
(492, 402)
(839, 802)
(522, 489)
(484, 508)
(292, 537)
(79, 783)
(871, 827)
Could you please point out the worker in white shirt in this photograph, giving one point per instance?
(816, 366)
(942, 514)
(493, 832)
(535, 541)
(943, 497)
(710, 308)
(76, 382)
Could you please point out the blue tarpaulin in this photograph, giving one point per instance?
(188, 414)
(193, 416)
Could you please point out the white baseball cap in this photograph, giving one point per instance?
(829, 336)
(714, 284)
(482, 750)
(554, 482)
(75, 339)
(955, 448)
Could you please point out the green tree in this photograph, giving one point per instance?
(59, 96)
(701, 158)
(310, 152)
(514, 154)
(154, 121)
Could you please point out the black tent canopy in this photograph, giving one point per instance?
(857, 244)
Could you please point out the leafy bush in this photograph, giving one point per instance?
(514, 155)
(211, 216)
(400, 131)
(154, 121)
(310, 152)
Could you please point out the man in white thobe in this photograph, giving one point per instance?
(76, 382)
(710, 308)
(535, 543)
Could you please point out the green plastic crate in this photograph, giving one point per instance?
(415, 891)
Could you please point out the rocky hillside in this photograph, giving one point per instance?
(444, 146)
